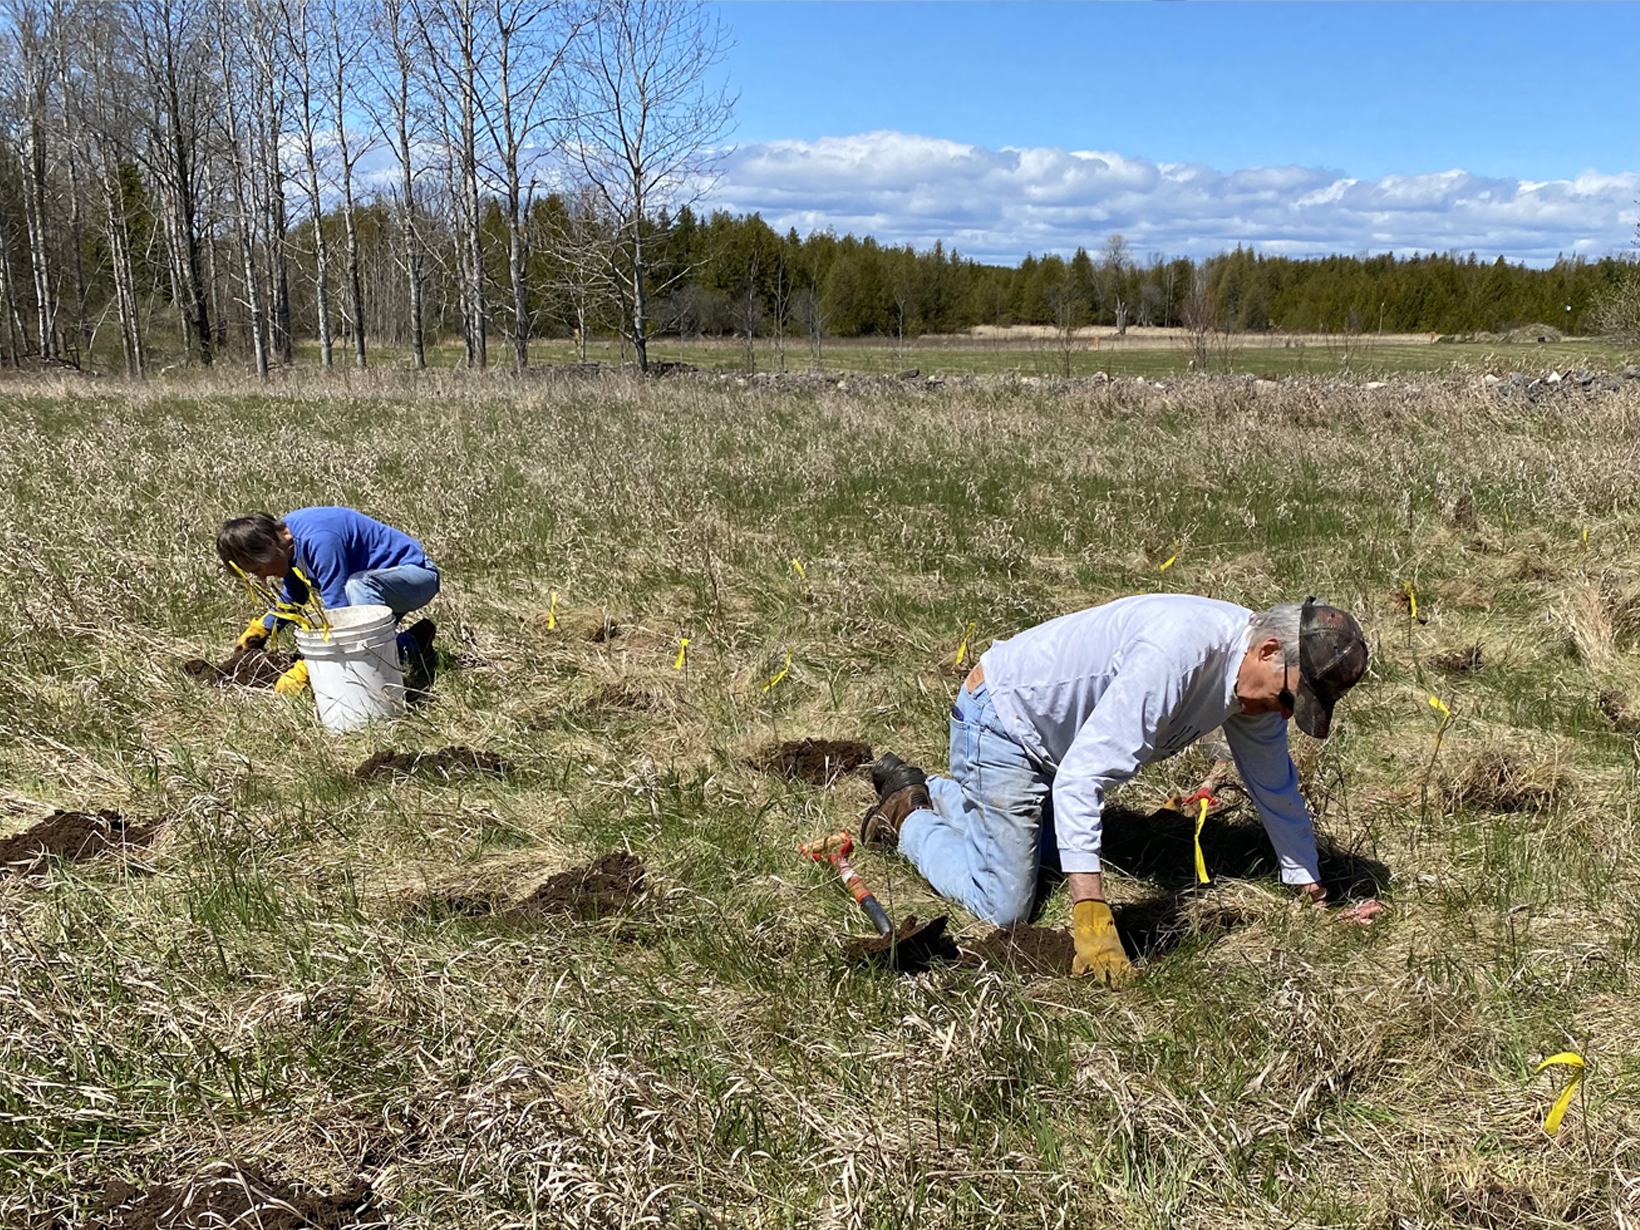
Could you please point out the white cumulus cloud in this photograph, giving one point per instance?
(998, 204)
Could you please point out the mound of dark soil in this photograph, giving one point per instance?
(445, 763)
(606, 885)
(1028, 949)
(1459, 661)
(71, 836)
(236, 1198)
(1494, 1204)
(818, 761)
(1615, 704)
(245, 668)
(606, 631)
(912, 948)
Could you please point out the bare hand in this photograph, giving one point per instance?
(1362, 913)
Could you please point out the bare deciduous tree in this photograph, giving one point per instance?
(644, 111)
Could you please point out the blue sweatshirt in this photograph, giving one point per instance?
(334, 543)
(1096, 694)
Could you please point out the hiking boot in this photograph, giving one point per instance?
(881, 825)
(884, 765)
(418, 657)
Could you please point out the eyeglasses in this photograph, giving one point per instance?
(1284, 698)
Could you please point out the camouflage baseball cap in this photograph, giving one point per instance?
(1332, 656)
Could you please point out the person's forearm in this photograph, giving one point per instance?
(1085, 886)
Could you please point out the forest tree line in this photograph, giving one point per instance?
(200, 179)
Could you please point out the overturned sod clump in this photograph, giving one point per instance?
(1504, 780)
(72, 836)
(224, 1197)
(445, 763)
(817, 761)
(1459, 661)
(607, 885)
(250, 667)
(912, 947)
(1024, 949)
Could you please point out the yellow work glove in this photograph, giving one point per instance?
(1098, 947)
(292, 682)
(254, 636)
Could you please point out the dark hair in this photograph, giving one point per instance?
(251, 539)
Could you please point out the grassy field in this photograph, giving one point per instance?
(1156, 358)
(308, 978)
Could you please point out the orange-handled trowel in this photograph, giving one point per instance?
(910, 949)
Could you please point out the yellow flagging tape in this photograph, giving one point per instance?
(683, 653)
(1201, 863)
(1551, 1125)
(1169, 563)
(962, 649)
(1446, 714)
(797, 566)
(1585, 537)
(552, 613)
(784, 671)
(1412, 597)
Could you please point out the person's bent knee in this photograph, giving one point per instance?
(362, 593)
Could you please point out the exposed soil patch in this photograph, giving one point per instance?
(1501, 779)
(226, 1197)
(245, 668)
(1494, 1204)
(608, 630)
(606, 885)
(912, 948)
(436, 906)
(1028, 949)
(72, 836)
(1459, 661)
(1615, 704)
(819, 761)
(445, 763)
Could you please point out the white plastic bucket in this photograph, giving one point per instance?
(354, 672)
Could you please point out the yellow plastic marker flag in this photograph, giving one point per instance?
(1446, 714)
(1170, 559)
(962, 649)
(683, 652)
(552, 613)
(1585, 538)
(1412, 598)
(784, 671)
(1551, 1125)
(801, 575)
(1201, 863)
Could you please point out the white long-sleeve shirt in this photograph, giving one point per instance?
(1096, 694)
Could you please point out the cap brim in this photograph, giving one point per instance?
(1311, 712)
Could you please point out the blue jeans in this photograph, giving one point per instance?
(403, 589)
(992, 824)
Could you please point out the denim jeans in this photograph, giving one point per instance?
(403, 589)
(992, 824)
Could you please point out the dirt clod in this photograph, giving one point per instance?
(912, 948)
(245, 668)
(1027, 949)
(604, 886)
(1459, 661)
(71, 836)
(818, 761)
(444, 763)
(227, 1197)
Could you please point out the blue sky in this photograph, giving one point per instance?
(1510, 128)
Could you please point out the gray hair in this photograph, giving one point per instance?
(1282, 623)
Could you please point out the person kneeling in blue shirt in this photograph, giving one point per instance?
(1065, 712)
(351, 559)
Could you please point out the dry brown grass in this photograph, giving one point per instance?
(253, 989)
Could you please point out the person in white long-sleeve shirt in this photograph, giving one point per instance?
(1072, 708)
